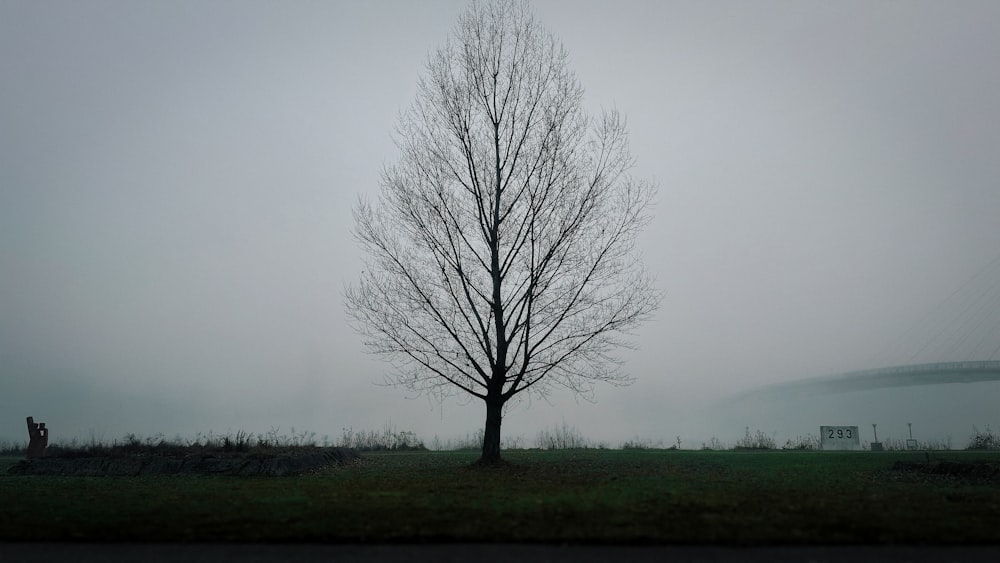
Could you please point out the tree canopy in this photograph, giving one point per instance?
(501, 254)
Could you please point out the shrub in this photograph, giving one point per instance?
(8, 448)
(241, 442)
(135, 445)
(807, 442)
(984, 439)
(713, 444)
(388, 439)
(640, 444)
(757, 441)
(648, 444)
(474, 442)
(561, 438)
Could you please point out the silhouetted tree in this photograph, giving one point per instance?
(501, 253)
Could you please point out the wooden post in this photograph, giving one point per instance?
(38, 438)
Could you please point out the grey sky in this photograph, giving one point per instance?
(176, 184)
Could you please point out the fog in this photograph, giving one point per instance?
(177, 179)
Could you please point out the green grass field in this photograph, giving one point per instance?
(644, 496)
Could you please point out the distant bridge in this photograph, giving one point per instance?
(965, 325)
(881, 378)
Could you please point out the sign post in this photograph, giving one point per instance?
(911, 444)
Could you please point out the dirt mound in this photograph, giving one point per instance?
(254, 464)
(972, 472)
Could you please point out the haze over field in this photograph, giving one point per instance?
(177, 179)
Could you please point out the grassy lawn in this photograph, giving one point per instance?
(549, 496)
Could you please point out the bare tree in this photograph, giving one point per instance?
(501, 256)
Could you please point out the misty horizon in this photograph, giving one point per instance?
(177, 183)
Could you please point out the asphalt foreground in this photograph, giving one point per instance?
(483, 553)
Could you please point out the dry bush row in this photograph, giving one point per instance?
(389, 438)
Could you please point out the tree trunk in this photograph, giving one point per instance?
(491, 436)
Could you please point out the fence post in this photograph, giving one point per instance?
(38, 438)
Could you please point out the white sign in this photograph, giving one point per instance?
(839, 438)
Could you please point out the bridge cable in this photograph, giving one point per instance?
(973, 318)
(924, 324)
(989, 332)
